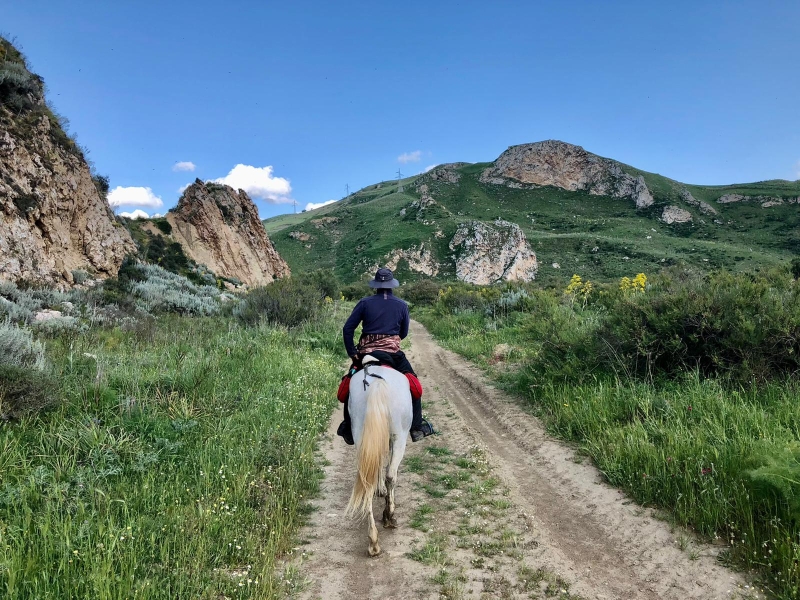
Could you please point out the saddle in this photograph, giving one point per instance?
(382, 359)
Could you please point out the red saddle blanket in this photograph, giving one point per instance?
(413, 384)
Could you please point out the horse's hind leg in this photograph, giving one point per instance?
(398, 449)
(381, 491)
(374, 547)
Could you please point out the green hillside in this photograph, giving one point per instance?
(600, 237)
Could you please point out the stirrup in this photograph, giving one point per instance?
(346, 433)
(425, 430)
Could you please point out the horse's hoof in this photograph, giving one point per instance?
(390, 523)
(374, 550)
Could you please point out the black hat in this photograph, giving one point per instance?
(384, 278)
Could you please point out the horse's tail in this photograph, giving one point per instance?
(373, 450)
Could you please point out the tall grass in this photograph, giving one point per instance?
(171, 468)
(697, 431)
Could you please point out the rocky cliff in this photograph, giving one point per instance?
(568, 167)
(486, 253)
(219, 227)
(53, 219)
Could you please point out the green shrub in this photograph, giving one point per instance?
(18, 87)
(289, 302)
(739, 325)
(776, 479)
(102, 183)
(421, 293)
(354, 291)
(324, 280)
(163, 225)
(464, 297)
(24, 391)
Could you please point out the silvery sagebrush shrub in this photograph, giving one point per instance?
(59, 325)
(162, 290)
(18, 348)
(14, 312)
(79, 276)
(24, 301)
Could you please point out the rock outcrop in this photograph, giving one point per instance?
(219, 228)
(487, 253)
(765, 201)
(704, 207)
(447, 172)
(419, 260)
(53, 219)
(676, 214)
(568, 167)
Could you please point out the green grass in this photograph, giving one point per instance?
(718, 457)
(171, 468)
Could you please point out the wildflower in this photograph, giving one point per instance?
(689, 408)
(705, 471)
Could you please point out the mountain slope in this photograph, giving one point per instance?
(54, 217)
(580, 213)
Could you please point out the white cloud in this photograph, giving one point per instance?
(258, 182)
(134, 196)
(183, 188)
(137, 214)
(428, 168)
(407, 157)
(313, 205)
(184, 166)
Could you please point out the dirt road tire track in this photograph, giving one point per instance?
(606, 546)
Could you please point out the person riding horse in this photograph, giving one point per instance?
(385, 320)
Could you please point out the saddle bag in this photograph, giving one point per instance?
(344, 388)
(413, 383)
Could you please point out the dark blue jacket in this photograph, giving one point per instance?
(381, 313)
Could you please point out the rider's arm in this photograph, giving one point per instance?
(350, 328)
(404, 324)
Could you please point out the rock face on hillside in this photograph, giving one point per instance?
(676, 214)
(487, 253)
(53, 219)
(704, 207)
(219, 227)
(419, 260)
(765, 201)
(447, 172)
(568, 167)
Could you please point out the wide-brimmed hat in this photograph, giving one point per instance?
(384, 278)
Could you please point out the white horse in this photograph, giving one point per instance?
(380, 411)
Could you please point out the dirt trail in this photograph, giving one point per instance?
(499, 510)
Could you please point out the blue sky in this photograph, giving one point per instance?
(310, 96)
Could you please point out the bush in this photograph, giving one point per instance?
(79, 276)
(163, 226)
(288, 302)
(324, 280)
(457, 298)
(102, 183)
(19, 349)
(421, 293)
(24, 391)
(59, 326)
(163, 291)
(740, 325)
(354, 291)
